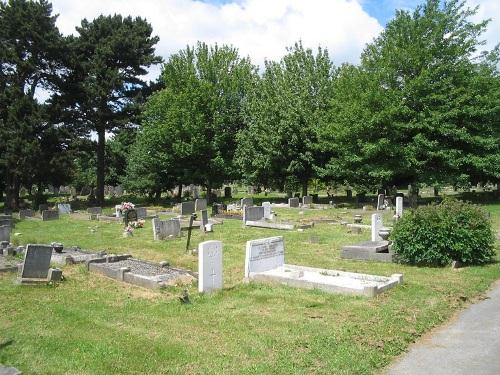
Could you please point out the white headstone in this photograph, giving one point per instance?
(264, 254)
(210, 266)
(118, 210)
(267, 210)
(399, 207)
(376, 226)
(64, 208)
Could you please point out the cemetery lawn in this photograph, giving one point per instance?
(89, 324)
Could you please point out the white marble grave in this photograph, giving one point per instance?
(377, 224)
(399, 207)
(64, 208)
(210, 269)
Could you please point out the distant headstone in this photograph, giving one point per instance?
(246, 202)
(210, 269)
(307, 199)
(36, 262)
(187, 208)
(26, 213)
(399, 207)
(200, 204)
(227, 192)
(293, 202)
(267, 210)
(129, 215)
(43, 207)
(118, 210)
(164, 229)
(50, 215)
(349, 193)
(5, 233)
(253, 213)
(376, 226)
(204, 220)
(64, 208)
(141, 212)
(118, 191)
(94, 210)
(264, 255)
(380, 202)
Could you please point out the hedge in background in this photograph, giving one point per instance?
(436, 235)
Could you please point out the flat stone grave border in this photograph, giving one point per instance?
(368, 250)
(75, 255)
(9, 264)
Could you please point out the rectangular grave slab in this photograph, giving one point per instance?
(246, 202)
(264, 254)
(187, 208)
(94, 210)
(253, 213)
(74, 255)
(5, 233)
(210, 269)
(265, 224)
(26, 213)
(50, 215)
(64, 208)
(293, 202)
(166, 229)
(200, 204)
(307, 199)
(368, 251)
(36, 264)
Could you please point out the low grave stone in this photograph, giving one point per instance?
(293, 202)
(50, 215)
(64, 208)
(267, 210)
(307, 200)
(36, 264)
(74, 255)
(165, 229)
(210, 269)
(246, 202)
(129, 216)
(253, 213)
(118, 210)
(200, 204)
(368, 250)
(26, 213)
(5, 233)
(94, 210)
(141, 212)
(8, 264)
(43, 207)
(187, 208)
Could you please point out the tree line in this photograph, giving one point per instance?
(422, 106)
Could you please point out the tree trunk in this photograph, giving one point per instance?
(209, 193)
(101, 145)
(304, 188)
(179, 193)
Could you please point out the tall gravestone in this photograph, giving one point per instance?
(200, 204)
(376, 226)
(204, 220)
(380, 202)
(210, 267)
(264, 254)
(267, 209)
(50, 215)
(187, 208)
(36, 263)
(293, 202)
(349, 193)
(246, 202)
(399, 207)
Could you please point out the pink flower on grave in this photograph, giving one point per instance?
(127, 206)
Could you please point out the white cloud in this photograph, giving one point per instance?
(259, 28)
(488, 9)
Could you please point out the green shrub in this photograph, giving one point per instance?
(438, 234)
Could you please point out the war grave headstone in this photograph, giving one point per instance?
(50, 215)
(307, 200)
(293, 202)
(26, 213)
(5, 233)
(210, 269)
(399, 207)
(265, 261)
(377, 225)
(36, 264)
(200, 204)
(166, 229)
(246, 202)
(187, 208)
(64, 208)
(139, 272)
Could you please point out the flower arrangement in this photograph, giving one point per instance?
(127, 206)
(128, 231)
(136, 224)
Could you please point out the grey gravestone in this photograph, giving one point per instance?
(380, 202)
(399, 207)
(368, 250)
(349, 193)
(94, 210)
(210, 269)
(50, 215)
(267, 209)
(264, 255)
(200, 204)
(64, 208)
(227, 192)
(163, 229)
(377, 224)
(246, 202)
(204, 219)
(25, 213)
(129, 215)
(43, 207)
(293, 202)
(307, 199)
(36, 262)
(187, 208)
(254, 213)
(141, 212)
(5, 233)
(7, 222)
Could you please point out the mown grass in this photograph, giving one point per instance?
(93, 325)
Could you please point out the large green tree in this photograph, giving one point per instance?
(104, 88)
(278, 148)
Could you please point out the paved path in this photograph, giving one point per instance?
(470, 345)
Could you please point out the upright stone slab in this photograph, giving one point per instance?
(267, 210)
(399, 207)
(187, 208)
(50, 215)
(94, 210)
(5, 233)
(210, 269)
(43, 207)
(254, 213)
(293, 202)
(380, 202)
(129, 215)
(36, 263)
(307, 199)
(118, 210)
(26, 213)
(142, 212)
(264, 254)
(164, 229)
(204, 220)
(200, 204)
(246, 202)
(64, 208)
(376, 226)
(227, 192)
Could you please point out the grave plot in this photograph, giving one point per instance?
(265, 261)
(74, 255)
(8, 264)
(139, 272)
(255, 216)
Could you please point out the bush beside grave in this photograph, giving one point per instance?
(436, 235)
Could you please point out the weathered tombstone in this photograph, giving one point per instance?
(200, 204)
(227, 192)
(210, 275)
(267, 210)
(36, 263)
(376, 226)
(293, 202)
(141, 212)
(307, 199)
(129, 215)
(204, 220)
(64, 208)
(163, 229)
(399, 207)
(187, 208)
(25, 213)
(118, 210)
(246, 202)
(50, 215)
(349, 193)
(264, 254)
(43, 207)
(5, 233)
(380, 202)
(253, 213)
(94, 210)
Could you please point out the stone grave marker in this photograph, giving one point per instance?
(141, 212)
(43, 207)
(64, 208)
(246, 202)
(6, 220)
(94, 210)
(293, 202)
(118, 210)
(307, 199)
(187, 208)
(253, 213)
(210, 269)
(204, 220)
(130, 215)
(36, 263)
(163, 229)
(376, 226)
(227, 192)
(5, 233)
(399, 207)
(26, 213)
(264, 254)
(380, 202)
(267, 210)
(200, 204)
(50, 215)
